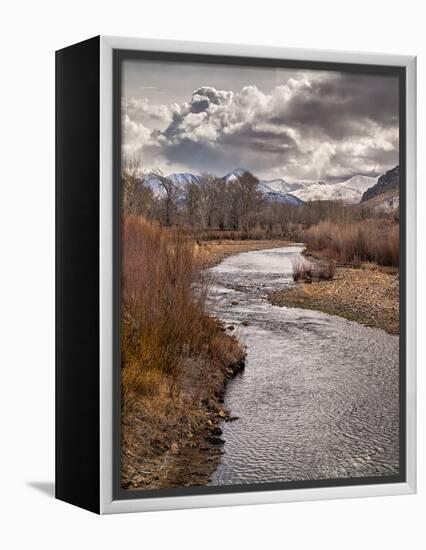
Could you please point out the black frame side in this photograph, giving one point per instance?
(77, 275)
(120, 55)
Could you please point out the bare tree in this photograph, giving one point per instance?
(222, 201)
(191, 195)
(208, 205)
(169, 200)
(137, 198)
(247, 200)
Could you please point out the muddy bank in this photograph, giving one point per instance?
(173, 439)
(368, 295)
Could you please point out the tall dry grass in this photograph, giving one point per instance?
(305, 271)
(372, 240)
(164, 321)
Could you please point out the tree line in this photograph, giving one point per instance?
(212, 203)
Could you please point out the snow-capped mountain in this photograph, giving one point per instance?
(384, 196)
(284, 198)
(279, 190)
(387, 182)
(180, 180)
(266, 186)
(278, 186)
(235, 174)
(349, 191)
(275, 190)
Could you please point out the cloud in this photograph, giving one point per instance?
(324, 125)
(133, 134)
(142, 111)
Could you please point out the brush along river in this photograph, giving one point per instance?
(319, 396)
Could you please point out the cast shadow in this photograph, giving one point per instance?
(46, 487)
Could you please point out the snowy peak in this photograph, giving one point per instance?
(279, 186)
(151, 180)
(235, 174)
(349, 191)
(180, 180)
(273, 190)
(359, 181)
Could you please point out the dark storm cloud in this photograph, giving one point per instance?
(341, 104)
(277, 145)
(324, 125)
(249, 149)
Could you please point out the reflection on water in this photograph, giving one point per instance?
(319, 395)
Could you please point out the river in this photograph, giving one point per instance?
(318, 398)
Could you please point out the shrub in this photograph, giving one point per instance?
(372, 240)
(164, 320)
(325, 271)
(302, 271)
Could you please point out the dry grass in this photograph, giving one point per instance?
(175, 358)
(157, 302)
(364, 241)
(164, 314)
(303, 270)
(325, 271)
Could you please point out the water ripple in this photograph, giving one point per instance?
(319, 396)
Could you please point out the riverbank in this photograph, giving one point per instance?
(172, 438)
(210, 253)
(367, 294)
(172, 434)
(175, 362)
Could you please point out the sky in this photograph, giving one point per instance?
(278, 123)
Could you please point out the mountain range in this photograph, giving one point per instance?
(350, 191)
(384, 196)
(388, 182)
(275, 190)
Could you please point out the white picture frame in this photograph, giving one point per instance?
(88, 371)
(108, 504)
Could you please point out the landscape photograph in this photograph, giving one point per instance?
(260, 263)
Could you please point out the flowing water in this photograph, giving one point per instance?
(319, 395)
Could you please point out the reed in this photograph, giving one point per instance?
(371, 240)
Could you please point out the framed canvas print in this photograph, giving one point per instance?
(235, 287)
